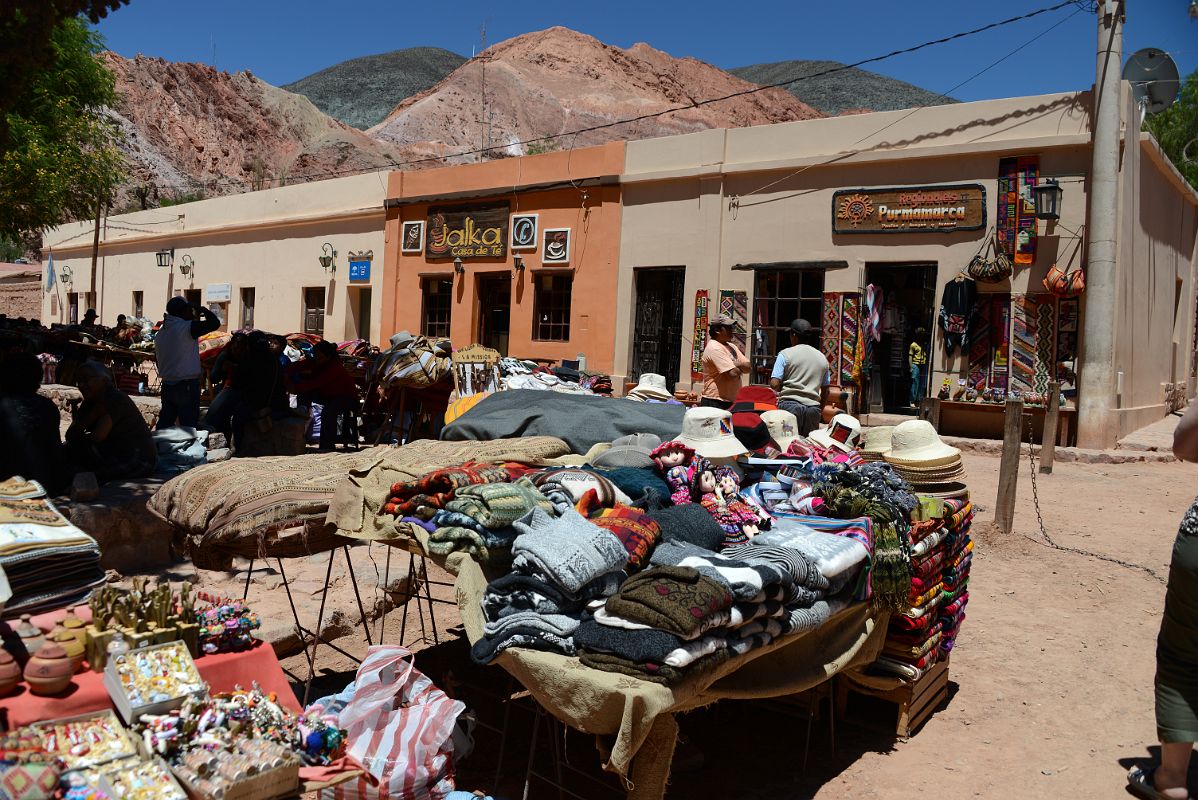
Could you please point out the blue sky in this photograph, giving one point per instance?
(284, 41)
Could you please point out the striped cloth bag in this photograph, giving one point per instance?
(400, 726)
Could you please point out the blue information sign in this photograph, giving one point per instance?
(359, 270)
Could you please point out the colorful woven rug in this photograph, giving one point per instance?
(1017, 207)
(700, 337)
(841, 324)
(1067, 321)
(736, 305)
(1024, 319)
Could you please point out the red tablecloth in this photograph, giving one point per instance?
(222, 671)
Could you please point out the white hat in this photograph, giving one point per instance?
(708, 431)
(876, 440)
(629, 451)
(783, 427)
(842, 433)
(402, 339)
(650, 387)
(916, 443)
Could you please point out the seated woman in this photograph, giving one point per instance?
(322, 379)
(30, 443)
(108, 435)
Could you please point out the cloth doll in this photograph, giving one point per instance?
(751, 518)
(705, 490)
(674, 461)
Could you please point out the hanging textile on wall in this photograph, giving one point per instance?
(841, 325)
(736, 305)
(1046, 343)
(988, 344)
(1067, 322)
(1016, 223)
(1034, 342)
(700, 337)
(830, 330)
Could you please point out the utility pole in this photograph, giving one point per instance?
(486, 113)
(96, 248)
(1097, 428)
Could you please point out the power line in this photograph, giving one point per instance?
(1079, 4)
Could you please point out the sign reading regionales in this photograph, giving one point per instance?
(467, 231)
(918, 209)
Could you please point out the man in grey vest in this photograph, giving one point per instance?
(801, 377)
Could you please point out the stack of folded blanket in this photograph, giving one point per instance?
(421, 498)
(479, 519)
(558, 564)
(924, 632)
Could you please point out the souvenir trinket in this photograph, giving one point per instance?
(86, 741)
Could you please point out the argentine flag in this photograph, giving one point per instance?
(50, 272)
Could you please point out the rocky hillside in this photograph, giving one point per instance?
(189, 127)
(560, 80)
(362, 91)
(846, 91)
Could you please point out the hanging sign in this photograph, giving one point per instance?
(918, 209)
(467, 231)
(219, 292)
(359, 265)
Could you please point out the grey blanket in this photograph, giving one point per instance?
(579, 420)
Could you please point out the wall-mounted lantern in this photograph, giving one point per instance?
(165, 258)
(329, 260)
(457, 266)
(186, 266)
(1048, 199)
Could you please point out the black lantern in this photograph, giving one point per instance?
(457, 266)
(165, 258)
(518, 263)
(1048, 199)
(186, 266)
(329, 259)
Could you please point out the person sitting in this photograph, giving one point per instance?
(30, 442)
(322, 379)
(108, 435)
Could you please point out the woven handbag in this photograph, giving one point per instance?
(1065, 284)
(990, 264)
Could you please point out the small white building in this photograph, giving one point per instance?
(254, 258)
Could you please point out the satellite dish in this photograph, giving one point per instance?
(1154, 79)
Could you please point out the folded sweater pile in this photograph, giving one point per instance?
(479, 518)
(422, 497)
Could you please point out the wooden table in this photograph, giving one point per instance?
(985, 420)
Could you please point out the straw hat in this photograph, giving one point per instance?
(651, 386)
(945, 491)
(915, 443)
(842, 433)
(783, 427)
(629, 451)
(876, 441)
(923, 477)
(708, 431)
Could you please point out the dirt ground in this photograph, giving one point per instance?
(1051, 679)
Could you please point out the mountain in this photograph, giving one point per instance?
(362, 91)
(851, 90)
(189, 127)
(559, 80)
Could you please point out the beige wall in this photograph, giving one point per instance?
(20, 295)
(267, 240)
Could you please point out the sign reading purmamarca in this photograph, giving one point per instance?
(909, 210)
(478, 231)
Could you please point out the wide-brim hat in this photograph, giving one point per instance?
(755, 398)
(922, 477)
(709, 432)
(652, 386)
(875, 441)
(915, 443)
(634, 450)
(750, 430)
(944, 491)
(402, 339)
(842, 434)
(783, 427)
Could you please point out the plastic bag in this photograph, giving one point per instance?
(400, 726)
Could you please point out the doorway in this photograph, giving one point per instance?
(359, 309)
(908, 303)
(494, 311)
(192, 296)
(657, 339)
(314, 310)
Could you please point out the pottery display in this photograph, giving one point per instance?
(75, 649)
(30, 635)
(10, 673)
(49, 671)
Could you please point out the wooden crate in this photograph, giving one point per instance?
(914, 701)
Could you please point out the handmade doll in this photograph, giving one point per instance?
(705, 490)
(673, 460)
(751, 518)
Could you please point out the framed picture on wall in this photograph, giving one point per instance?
(524, 231)
(556, 249)
(412, 238)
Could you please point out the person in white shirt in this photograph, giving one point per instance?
(801, 377)
(177, 350)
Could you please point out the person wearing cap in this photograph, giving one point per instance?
(177, 351)
(917, 355)
(723, 365)
(801, 377)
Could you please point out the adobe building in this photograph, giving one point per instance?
(859, 223)
(20, 291)
(302, 258)
(517, 254)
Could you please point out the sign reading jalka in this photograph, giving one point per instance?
(467, 231)
(918, 209)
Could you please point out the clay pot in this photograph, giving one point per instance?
(75, 625)
(31, 635)
(49, 671)
(10, 673)
(75, 649)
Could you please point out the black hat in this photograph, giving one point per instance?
(801, 326)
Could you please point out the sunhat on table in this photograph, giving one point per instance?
(708, 431)
(783, 427)
(841, 434)
(651, 386)
(402, 339)
(749, 428)
(915, 443)
(876, 440)
(633, 450)
(945, 491)
(757, 399)
(930, 474)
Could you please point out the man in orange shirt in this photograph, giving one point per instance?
(723, 364)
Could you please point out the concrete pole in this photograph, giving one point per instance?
(1097, 425)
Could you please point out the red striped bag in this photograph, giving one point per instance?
(400, 726)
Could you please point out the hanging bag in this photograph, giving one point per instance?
(991, 266)
(1063, 282)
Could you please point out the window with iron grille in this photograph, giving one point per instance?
(551, 308)
(438, 307)
(782, 296)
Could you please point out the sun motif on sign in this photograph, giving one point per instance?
(856, 208)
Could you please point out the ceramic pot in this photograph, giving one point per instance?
(10, 673)
(75, 625)
(31, 635)
(75, 650)
(49, 671)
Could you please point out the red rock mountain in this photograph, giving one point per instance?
(559, 80)
(189, 127)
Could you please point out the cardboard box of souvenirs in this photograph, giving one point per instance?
(271, 772)
(152, 680)
(87, 741)
(143, 780)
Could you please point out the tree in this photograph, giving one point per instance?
(1176, 128)
(61, 160)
